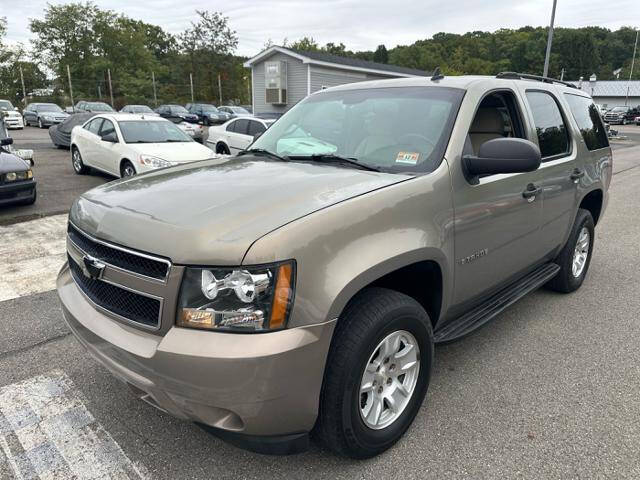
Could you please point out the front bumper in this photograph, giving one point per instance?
(47, 122)
(254, 385)
(17, 191)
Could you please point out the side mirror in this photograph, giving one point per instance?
(6, 141)
(503, 155)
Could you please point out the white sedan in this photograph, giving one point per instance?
(124, 144)
(236, 134)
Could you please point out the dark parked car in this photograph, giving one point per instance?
(43, 114)
(176, 113)
(208, 114)
(234, 111)
(16, 178)
(139, 109)
(97, 107)
(621, 115)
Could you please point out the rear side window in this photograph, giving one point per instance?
(553, 136)
(242, 126)
(232, 127)
(255, 128)
(589, 122)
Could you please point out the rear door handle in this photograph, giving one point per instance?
(531, 192)
(577, 174)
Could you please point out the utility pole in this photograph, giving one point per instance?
(633, 61)
(191, 82)
(99, 93)
(73, 105)
(155, 96)
(248, 88)
(110, 86)
(562, 74)
(220, 89)
(24, 91)
(549, 40)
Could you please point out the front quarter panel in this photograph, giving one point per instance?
(343, 248)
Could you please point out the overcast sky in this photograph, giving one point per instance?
(359, 24)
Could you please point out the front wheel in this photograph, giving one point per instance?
(575, 256)
(377, 373)
(127, 169)
(40, 123)
(222, 149)
(76, 160)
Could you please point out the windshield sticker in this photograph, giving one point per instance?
(407, 158)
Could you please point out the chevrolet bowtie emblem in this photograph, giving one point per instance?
(92, 268)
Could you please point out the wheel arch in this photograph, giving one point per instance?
(422, 277)
(592, 202)
(222, 142)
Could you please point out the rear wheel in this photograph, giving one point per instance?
(575, 257)
(377, 373)
(76, 159)
(127, 169)
(222, 149)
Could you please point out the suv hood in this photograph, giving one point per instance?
(210, 212)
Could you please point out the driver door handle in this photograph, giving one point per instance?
(531, 192)
(577, 174)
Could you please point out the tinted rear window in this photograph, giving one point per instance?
(589, 122)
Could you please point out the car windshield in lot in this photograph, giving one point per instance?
(619, 109)
(99, 107)
(391, 129)
(239, 110)
(48, 107)
(141, 131)
(140, 109)
(5, 105)
(209, 108)
(178, 110)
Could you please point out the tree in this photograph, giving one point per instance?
(306, 44)
(381, 55)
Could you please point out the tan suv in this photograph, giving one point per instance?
(300, 286)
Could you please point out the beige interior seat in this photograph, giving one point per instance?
(487, 125)
(379, 134)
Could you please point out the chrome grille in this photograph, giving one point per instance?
(122, 258)
(124, 303)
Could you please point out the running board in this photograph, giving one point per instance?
(496, 304)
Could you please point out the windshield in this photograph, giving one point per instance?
(141, 131)
(397, 129)
(209, 108)
(178, 110)
(619, 109)
(99, 107)
(5, 105)
(49, 107)
(239, 110)
(141, 109)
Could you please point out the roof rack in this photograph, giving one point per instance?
(526, 76)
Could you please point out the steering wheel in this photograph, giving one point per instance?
(407, 140)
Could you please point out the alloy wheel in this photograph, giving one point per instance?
(389, 379)
(77, 160)
(128, 171)
(581, 252)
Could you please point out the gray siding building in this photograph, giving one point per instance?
(611, 93)
(281, 77)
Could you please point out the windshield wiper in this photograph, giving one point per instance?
(332, 158)
(262, 151)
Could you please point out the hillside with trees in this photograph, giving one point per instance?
(92, 41)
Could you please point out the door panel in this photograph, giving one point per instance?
(107, 152)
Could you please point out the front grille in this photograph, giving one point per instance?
(119, 258)
(124, 303)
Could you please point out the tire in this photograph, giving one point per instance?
(222, 149)
(569, 279)
(76, 161)
(127, 169)
(373, 316)
(25, 121)
(205, 122)
(40, 123)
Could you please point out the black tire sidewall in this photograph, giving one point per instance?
(584, 220)
(364, 441)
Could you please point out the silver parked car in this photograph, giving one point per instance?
(301, 285)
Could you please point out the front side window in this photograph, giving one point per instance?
(553, 136)
(141, 131)
(589, 121)
(396, 129)
(94, 126)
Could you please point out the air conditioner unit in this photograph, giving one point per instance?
(275, 74)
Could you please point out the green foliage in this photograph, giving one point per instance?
(381, 55)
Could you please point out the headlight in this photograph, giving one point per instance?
(244, 299)
(17, 176)
(47, 117)
(154, 162)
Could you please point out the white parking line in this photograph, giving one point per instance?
(46, 432)
(31, 254)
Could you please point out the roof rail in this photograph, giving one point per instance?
(527, 76)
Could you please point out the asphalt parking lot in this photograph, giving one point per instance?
(549, 389)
